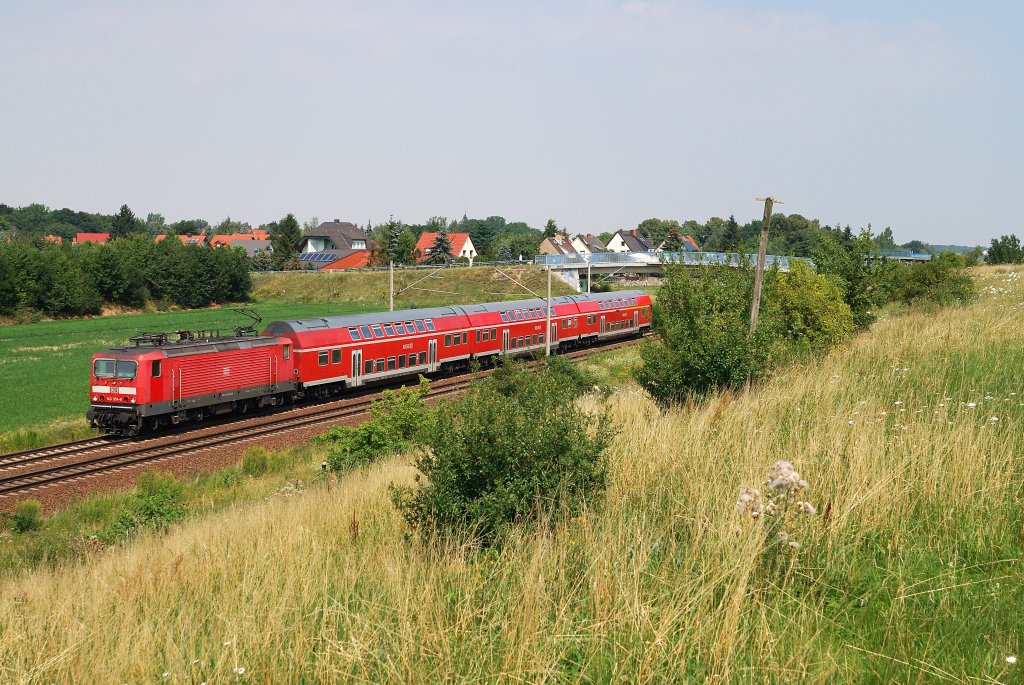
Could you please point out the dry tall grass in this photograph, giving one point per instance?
(915, 578)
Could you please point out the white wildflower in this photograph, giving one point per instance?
(972, 405)
(1011, 659)
(228, 643)
(994, 419)
(850, 422)
(806, 508)
(898, 402)
(783, 535)
(239, 670)
(793, 544)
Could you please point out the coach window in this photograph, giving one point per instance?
(389, 330)
(380, 365)
(504, 316)
(365, 330)
(368, 366)
(494, 334)
(448, 340)
(391, 363)
(399, 328)
(401, 362)
(541, 338)
(377, 330)
(410, 327)
(430, 325)
(156, 368)
(354, 333)
(419, 327)
(412, 359)
(423, 358)
(478, 335)
(336, 356)
(323, 358)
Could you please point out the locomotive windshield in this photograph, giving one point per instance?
(109, 368)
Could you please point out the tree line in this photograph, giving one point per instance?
(66, 280)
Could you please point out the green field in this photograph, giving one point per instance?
(44, 366)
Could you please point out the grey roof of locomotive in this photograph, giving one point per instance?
(346, 320)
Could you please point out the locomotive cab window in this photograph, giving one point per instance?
(156, 368)
(323, 358)
(287, 351)
(103, 368)
(125, 369)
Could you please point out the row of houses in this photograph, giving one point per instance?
(621, 241)
(336, 245)
(253, 243)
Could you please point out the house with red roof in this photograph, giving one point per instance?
(462, 246)
(186, 239)
(356, 259)
(228, 239)
(55, 239)
(98, 238)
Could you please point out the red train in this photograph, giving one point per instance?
(156, 382)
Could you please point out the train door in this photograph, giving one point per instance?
(602, 329)
(554, 333)
(356, 377)
(432, 355)
(273, 373)
(636, 319)
(504, 341)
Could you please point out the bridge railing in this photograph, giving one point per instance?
(651, 258)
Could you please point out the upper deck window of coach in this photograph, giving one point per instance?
(400, 328)
(377, 330)
(365, 330)
(419, 326)
(389, 329)
(430, 325)
(410, 327)
(354, 333)
(504, 316)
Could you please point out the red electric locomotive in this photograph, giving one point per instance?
(156, 382)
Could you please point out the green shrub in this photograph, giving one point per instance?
(255, 462)
(942, 280)
(702, 319)
(156, 503)
(28, 515)
(395, 420)
(515, 446)
(810, 308)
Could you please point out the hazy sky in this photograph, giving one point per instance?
(902, 114)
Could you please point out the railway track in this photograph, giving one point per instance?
(51, 466)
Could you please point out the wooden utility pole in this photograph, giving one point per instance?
(547, 320)
(762, 248)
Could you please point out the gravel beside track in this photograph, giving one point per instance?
(58, 474)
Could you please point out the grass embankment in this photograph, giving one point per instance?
(911, 438)
(44, 366)
(460, 285)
